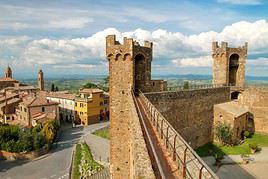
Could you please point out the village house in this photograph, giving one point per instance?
(91, 106)
(66, 104)
(35, 108)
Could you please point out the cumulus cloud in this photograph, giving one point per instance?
(170, 48)
(241, 2)
(203, 61)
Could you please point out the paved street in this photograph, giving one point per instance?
(53, 165)
(99, 148)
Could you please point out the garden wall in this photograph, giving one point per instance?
(23, 156)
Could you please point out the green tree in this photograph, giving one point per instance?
(27, 140)
(37, 128)
(52, 87)
(186, 85)
(49, 130)
(223, 132)
(39, 141)
(90, 85)
(56, 88)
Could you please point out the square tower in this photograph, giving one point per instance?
(229, 65)
(129, 68)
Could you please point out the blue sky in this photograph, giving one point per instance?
(67, 37)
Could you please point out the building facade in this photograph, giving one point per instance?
(66, 105)
(90, 107)
(36, 108)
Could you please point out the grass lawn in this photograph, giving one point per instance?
(209, 148)
(77, 161)
(89, 158)
(104, 133)
(83, 153)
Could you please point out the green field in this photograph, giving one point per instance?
(104, 133)
(212, 148)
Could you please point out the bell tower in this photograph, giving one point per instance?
(40, 80)
(8, 73)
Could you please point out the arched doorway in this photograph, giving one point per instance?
(234, 95)
(233, 67)
(139, 71)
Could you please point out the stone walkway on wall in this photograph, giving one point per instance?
(257, 168)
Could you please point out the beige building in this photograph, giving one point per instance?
(8, 105)
(237, 116)
(37, 109)
(66, 105)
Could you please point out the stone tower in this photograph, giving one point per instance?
(8, 73)
(129, 68)
(229, 65)
(40, 80)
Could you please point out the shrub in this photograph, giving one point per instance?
(27, 141)
(253, 146)
(223, 132)
(10, 146)
(186, 85)
(39, 141)
(37, 128)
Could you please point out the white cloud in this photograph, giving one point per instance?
(203, 61)
(170, 48)
(75, 23)
(258, 62)
(242, 2)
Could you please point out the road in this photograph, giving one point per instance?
(54, 165)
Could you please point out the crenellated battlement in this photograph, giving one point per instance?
(224, 47)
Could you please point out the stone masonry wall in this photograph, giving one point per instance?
(256, 100)
(128, 152)
(190, 112)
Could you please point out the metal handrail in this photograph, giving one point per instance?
(179, 138)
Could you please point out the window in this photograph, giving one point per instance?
(75, 104)
(43, 109)
(25, 110)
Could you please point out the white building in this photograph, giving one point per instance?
(66, 105)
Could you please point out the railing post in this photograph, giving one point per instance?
(200, 172)
(156, 119)
(174, 148)
(184, 163)
(157, 124)
(162, 129)
(167, 138)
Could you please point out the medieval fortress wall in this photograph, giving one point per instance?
(190, 112)
(256, 100)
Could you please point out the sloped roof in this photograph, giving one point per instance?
(233, 108)
(37, 100)
(61, 96)
(8, 79)
(90, 90)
